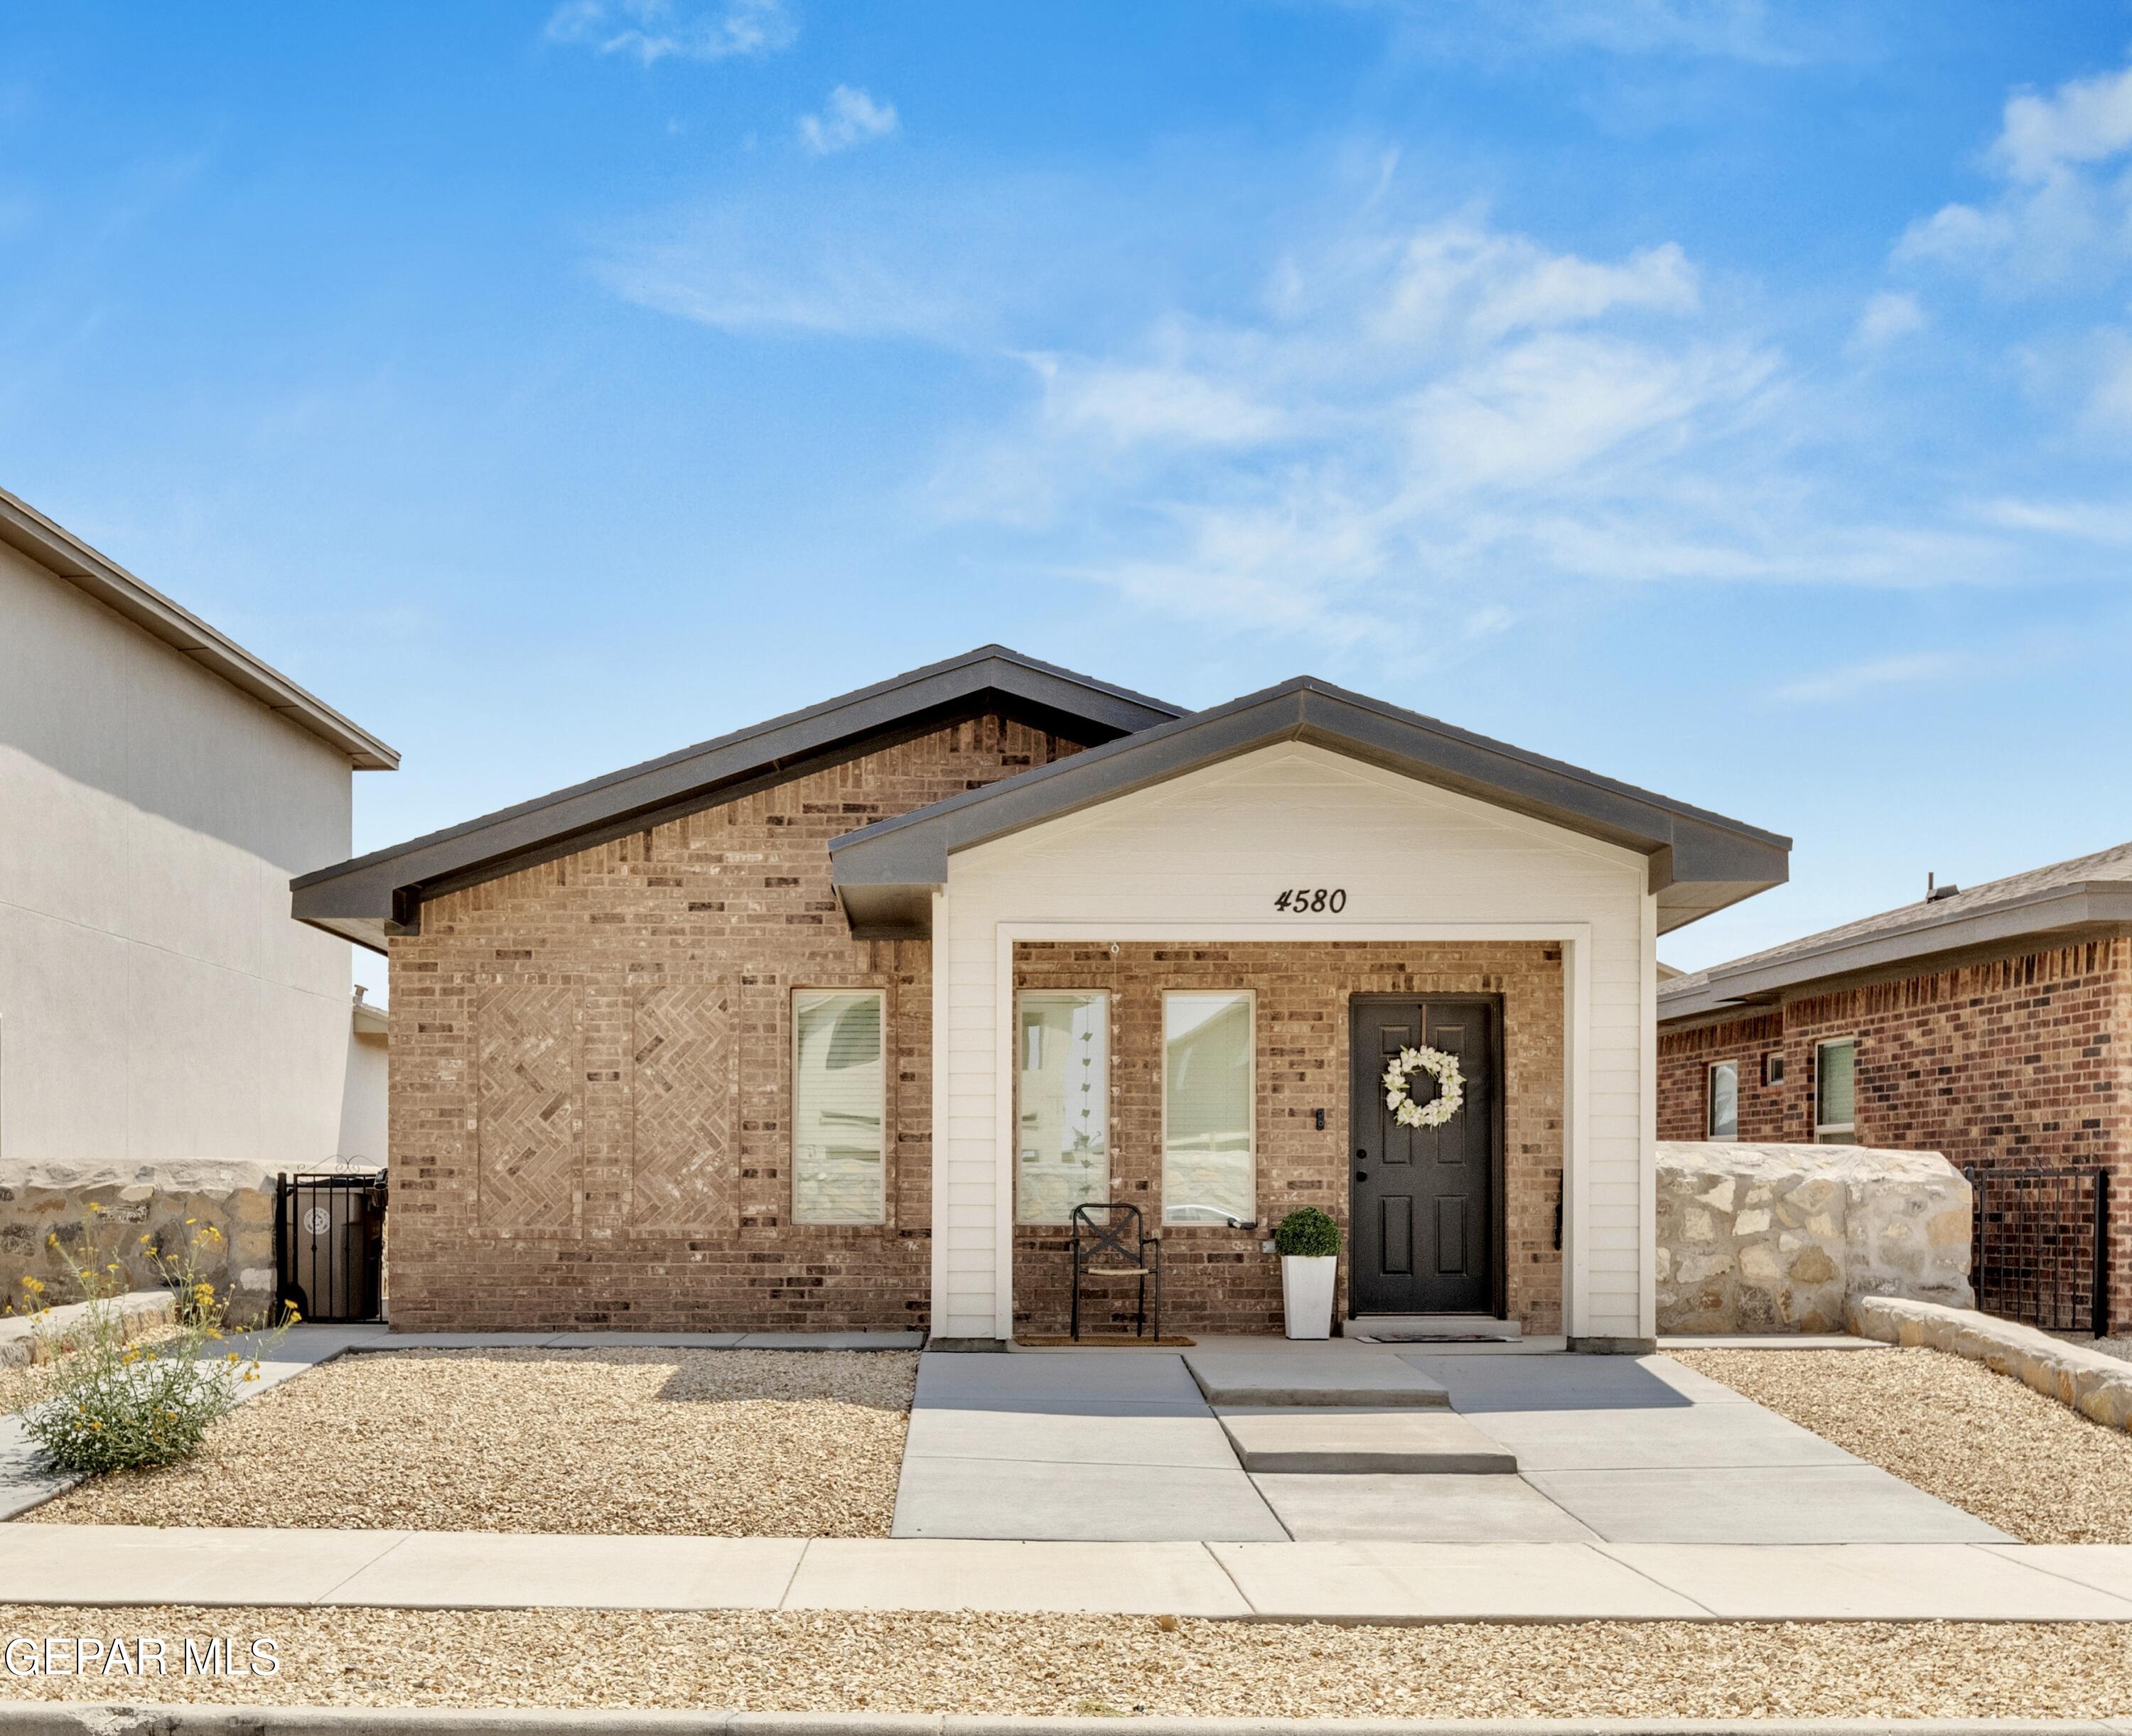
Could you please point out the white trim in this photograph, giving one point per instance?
(935, 1169)
(1003, 1147)
(1647, 1130)
(1575, 939)
(1251, 1115)
(1576, 1045)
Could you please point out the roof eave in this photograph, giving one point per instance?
(2056, 912)
(65, 556)
(385, 887)
(1700, 862)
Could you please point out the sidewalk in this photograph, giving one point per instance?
(1356, 1582)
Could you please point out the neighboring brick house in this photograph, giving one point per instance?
(664, 1047)
(1992, 1024)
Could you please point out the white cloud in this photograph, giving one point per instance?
(1855, 680)
(1435, 420)
(2061, 216)
(1129, 404)
(653, 30)
(2084, 121)
(1890, 314)
(849, 117)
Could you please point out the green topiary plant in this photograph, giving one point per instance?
(1308, 1233)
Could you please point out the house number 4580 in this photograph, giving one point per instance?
(1313, 900)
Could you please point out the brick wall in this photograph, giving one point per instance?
(1218, 1281)
(2018, 1061)
(590, 1065)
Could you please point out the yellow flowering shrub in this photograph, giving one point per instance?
(119, 1406)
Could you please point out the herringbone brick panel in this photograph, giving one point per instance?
(526, 1046)
(681, 1097)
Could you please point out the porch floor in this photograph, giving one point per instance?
(1099, 1447)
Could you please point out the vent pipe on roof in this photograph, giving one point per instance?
(1934, 893)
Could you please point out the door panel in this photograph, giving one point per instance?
(1424, 1211)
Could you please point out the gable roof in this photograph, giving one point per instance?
(375, 895)
(2087, 894)
(885, 873)
(65, 556)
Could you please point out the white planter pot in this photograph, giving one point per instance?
(1306, 1293)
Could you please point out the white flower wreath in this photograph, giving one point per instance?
(1450, 1087)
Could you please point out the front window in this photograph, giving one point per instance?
(838, 1106)
(1208, 1149)
(1061, 1106)
(1836, 1092)
(1724, 1122)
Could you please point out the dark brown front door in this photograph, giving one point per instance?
(1425, 1212)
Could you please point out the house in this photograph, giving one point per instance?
(158, 786)
(1992, 1024)
(831, 1022)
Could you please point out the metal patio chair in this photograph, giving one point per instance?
(1115, 1232)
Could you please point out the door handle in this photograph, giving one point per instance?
(1361, 1175)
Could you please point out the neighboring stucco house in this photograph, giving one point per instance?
(158, 786)
(1992, 1024)
(831, 1022)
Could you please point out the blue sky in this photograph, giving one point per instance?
(1734, 400)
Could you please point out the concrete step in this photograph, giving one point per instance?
(1428, 1328)
(1326, 1441)
(1321, 1374)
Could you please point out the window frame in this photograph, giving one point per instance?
(1109, 998)
(1710, 1101)
(1822, 1129)
(880, 995)
(1250, 999)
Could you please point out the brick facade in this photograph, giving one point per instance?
(1218, 1280)
(2015, 1063)
(591, 1075)
(590, 1064)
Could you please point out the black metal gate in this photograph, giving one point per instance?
(2040, 1247)
(329, 1244)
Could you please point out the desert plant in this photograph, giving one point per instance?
(119, 1406)
(1308, 1233)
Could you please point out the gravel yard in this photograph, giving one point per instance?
(25, 1386)
(1986, 1443)
(708, 1443)
(1032, 1664)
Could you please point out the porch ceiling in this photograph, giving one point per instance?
(885, 873)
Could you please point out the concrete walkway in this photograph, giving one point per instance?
(1105, 1446)
(119, 1565)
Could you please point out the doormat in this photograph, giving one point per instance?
(1430, 1338)
(1107, 1341)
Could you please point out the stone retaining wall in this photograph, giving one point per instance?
(1783, 1238)
(2098, 1386)
(169, 1203)
(33, 1338)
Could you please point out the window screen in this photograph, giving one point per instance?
(836, 1106)
(1207, 1120)
(1725, 1101)
(1062, 1109)
(1835, 1092)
